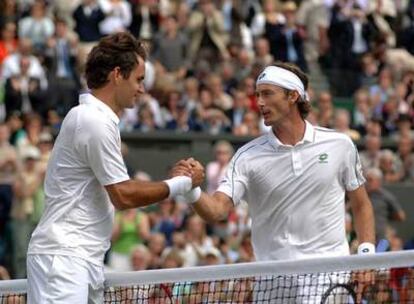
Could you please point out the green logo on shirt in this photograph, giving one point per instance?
(323, 158)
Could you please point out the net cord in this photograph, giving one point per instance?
(396, 259)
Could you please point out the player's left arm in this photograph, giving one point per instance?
(362, 211)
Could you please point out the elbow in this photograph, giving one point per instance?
(119, 201)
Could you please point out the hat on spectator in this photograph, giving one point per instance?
(212, 251)
(289, 6)
(45, 137)
(31, 153)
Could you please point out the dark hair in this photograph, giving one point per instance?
(116, 50)
(303, 105)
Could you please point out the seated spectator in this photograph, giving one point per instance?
(216, 122)
(167, 219)
(325, 109)
(211, 256)
(374, 127)
(172, 259)
(404, 124)
(146, 121)
(145, 19)
(269, 16)
(250, 125)
(246, 250)
(380, 92)
(221, 99)
(197, 239)
(118, 16)
(362, 111)
(390, 114)
(248, 85)
(23, 92)
(182, 122)
(87, 16)
(388, 166)
(215, 170)
(26, 200)
(191, 93)
(369, 70)
(385, 205)
(4, 274)
(8, 173)
(405, 158)
(262, 52)
(342, 124)
(8, 41)
(12, 63)
(156, 244)
(243, 64)
(288, 38)
(370, 155)
(61, 62)
(140, 258)
(208, 39)
(239, 109)
(37, 27)
(131, 228)
(17, 133)
(170, 48)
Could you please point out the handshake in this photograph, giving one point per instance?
(186, 177)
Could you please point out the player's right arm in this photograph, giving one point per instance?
(213, 208)
(131, 193)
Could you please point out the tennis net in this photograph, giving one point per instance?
(380, 278)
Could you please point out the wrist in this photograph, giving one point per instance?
(190, 197)
(179, 185)
(366, 248)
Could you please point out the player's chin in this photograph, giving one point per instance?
(132, 103)
(267, 122)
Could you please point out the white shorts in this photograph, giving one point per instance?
(61, 279)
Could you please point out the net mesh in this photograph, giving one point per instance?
(380, 278)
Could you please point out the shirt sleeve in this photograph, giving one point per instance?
(235, 181)
(101, 145)
(352, 175)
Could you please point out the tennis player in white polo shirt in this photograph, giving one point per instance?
(86, 177)
(294, 179)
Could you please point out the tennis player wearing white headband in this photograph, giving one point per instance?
(294, 180)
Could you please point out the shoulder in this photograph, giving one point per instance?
(325, 134)
(90, 120)
(252, 147)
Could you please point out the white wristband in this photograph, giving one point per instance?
(366, 248)
(179, 185)
(190, 197)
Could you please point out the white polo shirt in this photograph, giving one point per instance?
(78, 215)
(296, 193)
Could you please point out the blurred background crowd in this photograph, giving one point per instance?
(204, 57)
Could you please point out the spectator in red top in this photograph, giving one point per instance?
(8, 41)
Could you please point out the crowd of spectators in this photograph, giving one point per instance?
(204, 57)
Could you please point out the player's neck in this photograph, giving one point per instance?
(290, 131)
(107, 98)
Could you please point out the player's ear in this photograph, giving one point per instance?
(116, 75)
(293, 97)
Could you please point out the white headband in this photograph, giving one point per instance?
(282, 78)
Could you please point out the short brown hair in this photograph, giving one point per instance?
(303, 105)
(116, 50)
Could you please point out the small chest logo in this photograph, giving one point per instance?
(323, 158)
